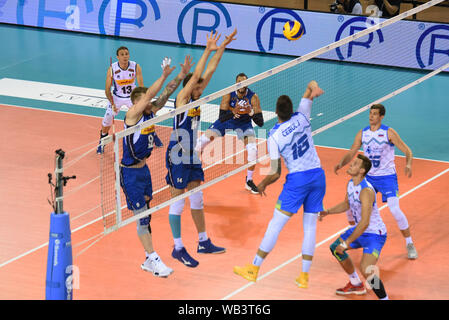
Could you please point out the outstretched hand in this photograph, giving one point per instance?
(316, 92)
(187, 65)
(229, 39)
(212, 39)
(166, 69)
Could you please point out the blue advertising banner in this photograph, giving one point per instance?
(410, 44)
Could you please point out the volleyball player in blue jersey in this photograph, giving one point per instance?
(237, 110)
(135, 178)
(183, 164)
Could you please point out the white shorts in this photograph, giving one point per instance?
(110, 114)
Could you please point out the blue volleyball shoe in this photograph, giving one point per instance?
(184, 257)
(207, 246)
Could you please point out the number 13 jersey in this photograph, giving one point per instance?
(124, 80)
(293, 141)
(380, 150)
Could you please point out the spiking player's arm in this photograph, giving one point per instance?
(139, 76)
(398, 142)
(367, 198)
(338, 208)
(351, 152)
(173, 85)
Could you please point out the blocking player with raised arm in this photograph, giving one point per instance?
(368, 233)
(291, 139)
(237, 110)
(121, 78)
(378, 142)
(182, 162)
(135, 176)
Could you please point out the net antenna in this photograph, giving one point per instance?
(268, 85)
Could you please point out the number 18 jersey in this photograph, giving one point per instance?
(293, 141)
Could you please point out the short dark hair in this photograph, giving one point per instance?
(366, 163)
(284, 108)
(241, 74)
(379, 107)
(137, 92)
(187, 78)
(120, 49)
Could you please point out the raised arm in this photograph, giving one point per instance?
(213, 64)
(172, 85)
(137, 110)
(186, 92)
(398, 142)
(312, 91)
(351, 152)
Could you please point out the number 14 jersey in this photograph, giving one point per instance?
(293, 141)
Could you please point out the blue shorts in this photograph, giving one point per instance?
(386, 185)
(370, 242)
(307, 187)
(179, 175)
(136, 184)
(243, 129)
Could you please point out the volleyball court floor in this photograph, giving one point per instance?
(108, 267)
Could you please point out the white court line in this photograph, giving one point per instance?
(325, 240)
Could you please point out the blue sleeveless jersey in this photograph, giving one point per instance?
(139, 145)
(185, 129)
(235, 101)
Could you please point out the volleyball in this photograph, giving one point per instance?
(293, 30)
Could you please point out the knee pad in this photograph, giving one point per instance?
(252, 151)
(143, 224)
(401, 219)
(196, 201)
(108, 117)
(309, 226)
(275, 226)
(177, 207)
(340, 257)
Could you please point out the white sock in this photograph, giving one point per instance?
(386, 298)
(249, 175)
(408, 240)
(178, 244)
(257, 260)
(354, 278)
(202, 236)
(153, 256)
(306, 264)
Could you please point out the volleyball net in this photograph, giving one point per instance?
(363, 85)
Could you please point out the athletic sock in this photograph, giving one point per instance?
(306, 264)
(258, 260)
(178, 244)
(249, 175)
(202, 236)
(408, 240)
(354, 278)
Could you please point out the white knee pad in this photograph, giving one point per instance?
(309, 226)
(275, 226)
(401, 219)
(252, 151)
(177, 207)
(196, 201)
(108, 117)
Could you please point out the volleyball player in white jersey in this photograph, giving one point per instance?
(291, 139)
(121, 78)
(368, 233)
(378, 143)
